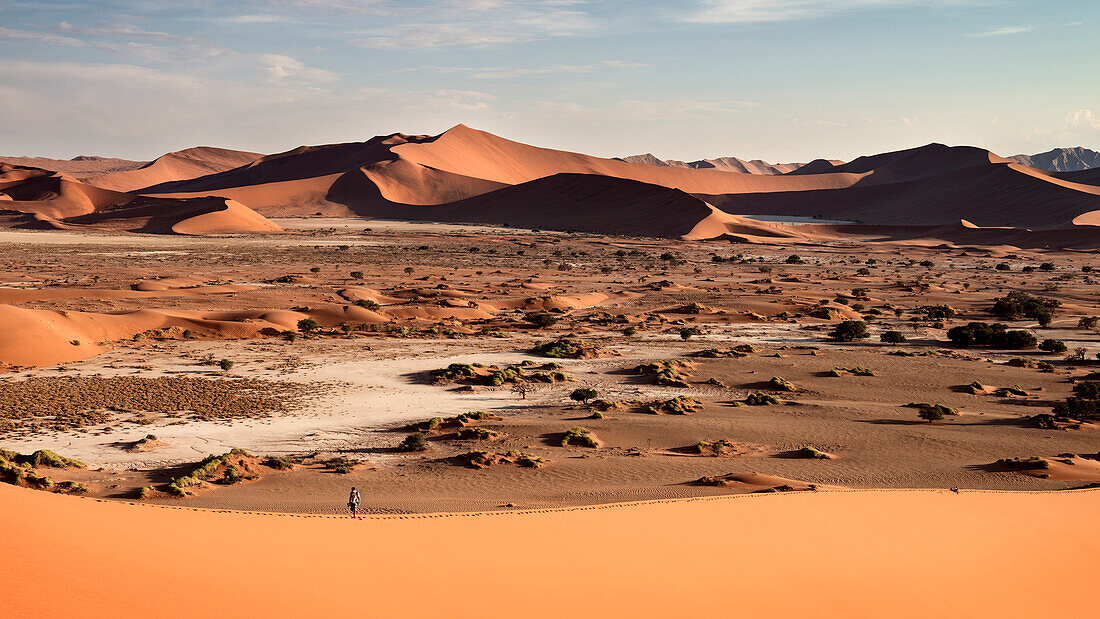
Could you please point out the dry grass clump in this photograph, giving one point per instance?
(778, 383)
(720, 447)
(856, 371)
(741, 350)
(569, 348)
(458, 421)
(494, 376)
(671, 373)
(66, 402)
(680, 405)
(811, 453)
(760, 399)
(483, 459)
(582, 437)
(476, 434)
(232, 467)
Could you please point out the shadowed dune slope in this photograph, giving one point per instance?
(42, 199)
(987, 195)
(179, 165)
(825, 554)
(581, 202)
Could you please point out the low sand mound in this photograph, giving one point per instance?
(44, 199)
(46, 337)
(180, 165)
(883, 539)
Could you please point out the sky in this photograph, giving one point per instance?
(779, 80)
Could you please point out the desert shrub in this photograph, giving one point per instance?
(565, 348)
(526, 460)
(579, 436)
(455, 371)
(413, 442)
(278, 463)
(680, 405)
(794, 259)
(542, 320)
(1088, 322)
(779, 383)
(373, 306)
(308, 325)
(475, 434)
(932, 412)
(356, 275)
(1046, 266)
(226, 364)
(995, 335)
(811, 452)
(687, 332)
(849, 331)
(1020, 304)
(47, 458)
(1054, 346)
(937, 312)
(761, 399)
(1003, 267)
(584, 394)
(893, 337)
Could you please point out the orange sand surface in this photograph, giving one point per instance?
(850, 553)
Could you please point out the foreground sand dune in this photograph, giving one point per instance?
(832, 554)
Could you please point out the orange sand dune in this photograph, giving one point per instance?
(827, 554)
(460, 163)
(43, 199)
(176, 166)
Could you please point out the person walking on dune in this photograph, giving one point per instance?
(353, 502)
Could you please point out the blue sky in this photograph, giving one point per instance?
(781, 80)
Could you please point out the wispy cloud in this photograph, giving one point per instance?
(762, 11)
(480, 23)
(493, 73)
(1005, 30)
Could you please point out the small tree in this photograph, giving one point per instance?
(931, 413)
(794, 259)
(849, 331)
(1055, 346)
(522, 389)
(357, 275)
(225, 365)
(308, 325)
(413, 442)
(583, 395)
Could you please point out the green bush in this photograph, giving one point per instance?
(1054, 346)
(995, 335)
(584, 394)
(849, 331)
(413, 442)
(1018, 304)
(779, 383)
(579, 436)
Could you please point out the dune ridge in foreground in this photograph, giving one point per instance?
(857, 553)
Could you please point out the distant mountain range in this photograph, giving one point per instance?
(1057, 160)
(1061, 160)
(728, 164)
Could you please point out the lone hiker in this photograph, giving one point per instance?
(353, 501)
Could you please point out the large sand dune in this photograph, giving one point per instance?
(468, 175)
(827, 554)
(39, 199)
(175, 166)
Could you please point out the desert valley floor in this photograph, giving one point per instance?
(711, 362)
